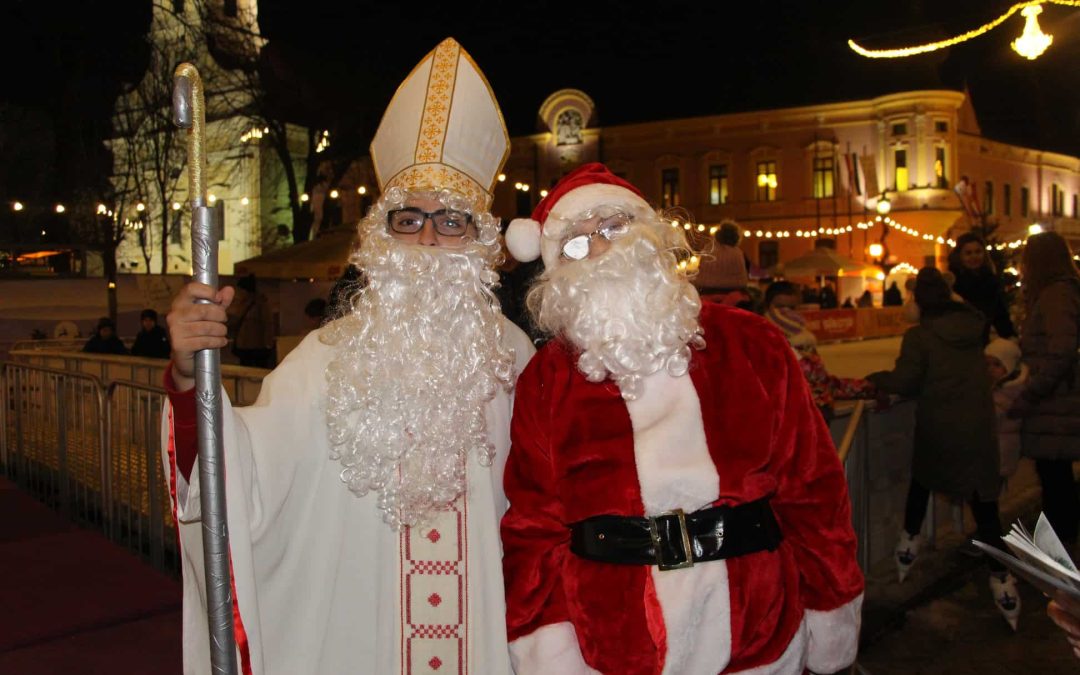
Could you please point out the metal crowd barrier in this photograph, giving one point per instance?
(91, 452)
(92, 449)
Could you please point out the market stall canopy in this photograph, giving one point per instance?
(824, 262)
(322, 259)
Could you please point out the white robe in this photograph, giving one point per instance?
(322, 584)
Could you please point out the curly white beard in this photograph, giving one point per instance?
(629, 312)
(418, 358)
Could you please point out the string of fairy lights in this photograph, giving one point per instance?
(1030, 44)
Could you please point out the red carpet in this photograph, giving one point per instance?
(74, 602)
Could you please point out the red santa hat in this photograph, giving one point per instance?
(586, 187)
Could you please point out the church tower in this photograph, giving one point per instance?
(221, 37)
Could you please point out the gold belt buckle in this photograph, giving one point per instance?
(654, 534)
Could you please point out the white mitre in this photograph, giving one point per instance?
(442, 130)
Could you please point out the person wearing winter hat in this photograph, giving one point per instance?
(1009, 376)
(781, 299)
(650, 423)
(941, 365)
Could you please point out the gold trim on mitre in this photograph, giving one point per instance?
(443, 129)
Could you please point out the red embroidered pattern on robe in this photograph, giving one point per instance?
(434, 595)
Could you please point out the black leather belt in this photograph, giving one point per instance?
(675, 539)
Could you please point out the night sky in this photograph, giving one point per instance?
(340, 62)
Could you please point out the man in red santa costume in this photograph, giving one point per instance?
(676, 503)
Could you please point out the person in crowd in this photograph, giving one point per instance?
(104, 339)
(345, 289)
(828, 296)
(152, 342)
(315, 313)
(251, 325)
(1049, 404)
(977, 283)
(514, 280)
(364, 486)
(865, 300)
(781, 299)
(1009, 376)
(892, 296)
(725, 278)
(810, 296)
(941, 365)
(650, 411)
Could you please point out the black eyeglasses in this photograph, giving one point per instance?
(410, 220)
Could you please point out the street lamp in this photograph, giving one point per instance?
(884, 206)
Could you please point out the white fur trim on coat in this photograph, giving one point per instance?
(549, 649)
(575, 202)
(675, 470)
(834, 636)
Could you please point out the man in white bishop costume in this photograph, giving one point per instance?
(364, 486)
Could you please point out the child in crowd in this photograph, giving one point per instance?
(1009, 376)
(781, 299)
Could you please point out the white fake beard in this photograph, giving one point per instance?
(419, 357)
(629, 312)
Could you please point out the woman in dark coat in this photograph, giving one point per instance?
(942, 366)
(977, 283)
(1050, 403)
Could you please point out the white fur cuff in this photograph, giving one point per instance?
(834, 636)
(549, 649)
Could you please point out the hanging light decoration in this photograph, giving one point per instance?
(1030, 44)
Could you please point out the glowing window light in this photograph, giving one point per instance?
(1036, 39)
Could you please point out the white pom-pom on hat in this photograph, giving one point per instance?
(523, 239)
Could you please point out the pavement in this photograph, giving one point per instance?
(74, 602)
(859, 358)
(942, 618)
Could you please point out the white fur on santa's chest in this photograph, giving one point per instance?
(675, 470)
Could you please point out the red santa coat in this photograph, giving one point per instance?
(740, 426)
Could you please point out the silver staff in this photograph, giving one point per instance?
(206, 222)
